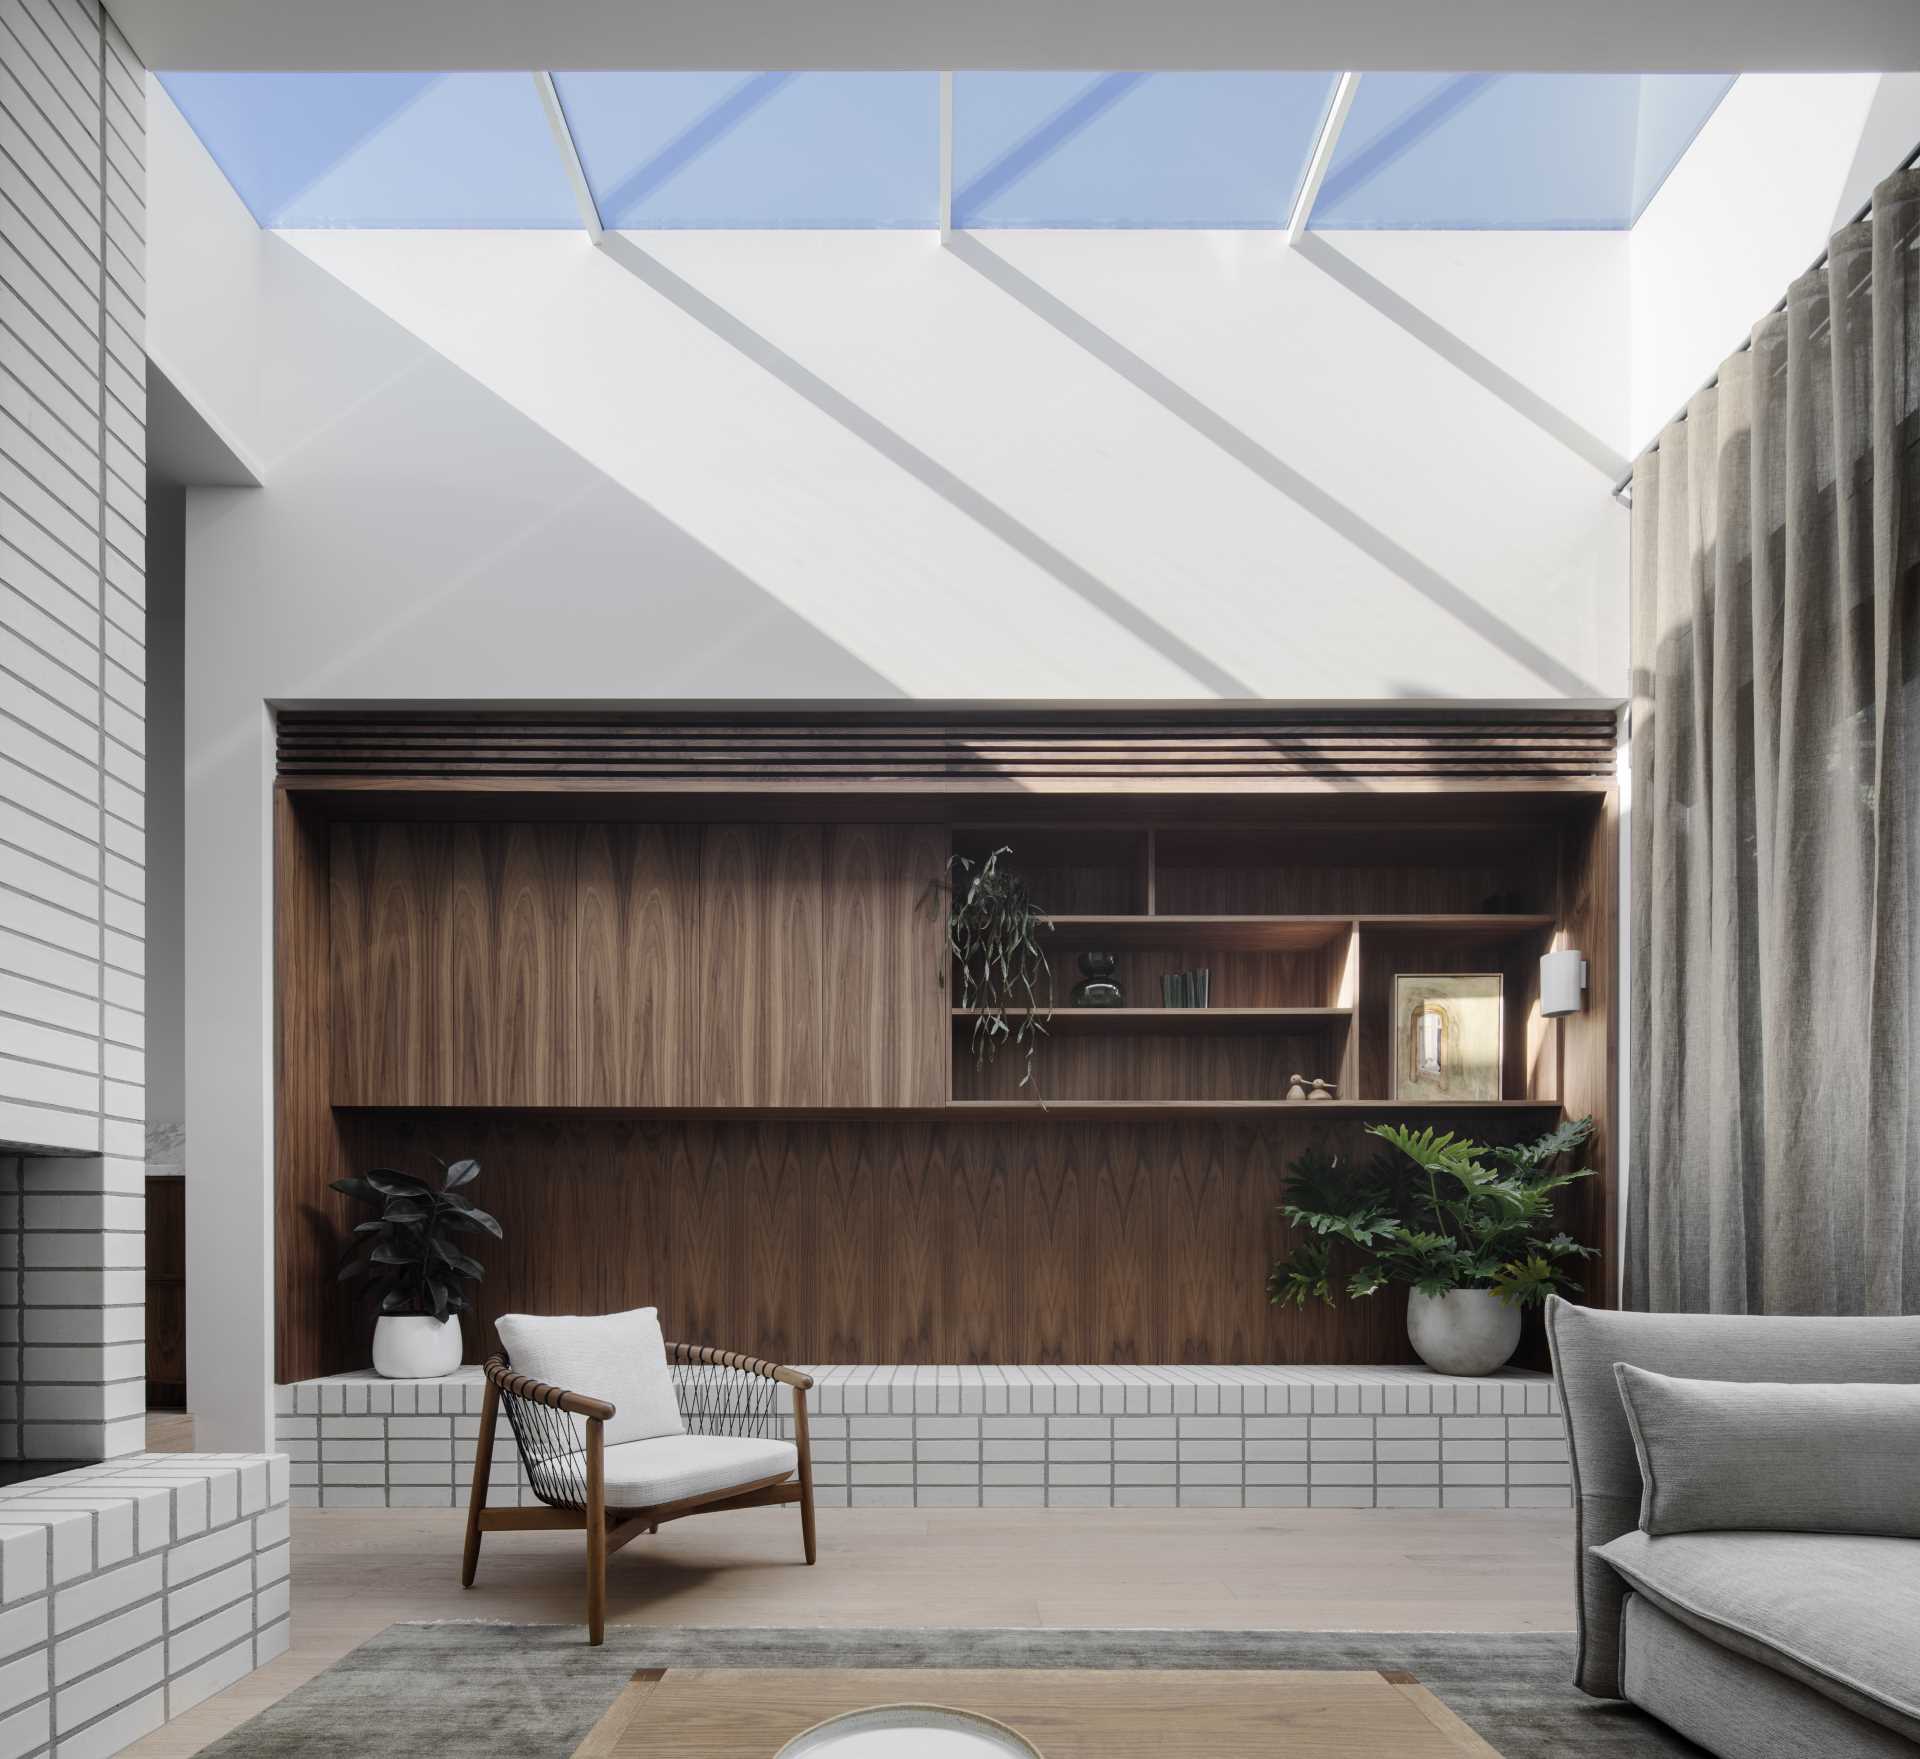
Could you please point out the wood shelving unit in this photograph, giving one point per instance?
(1306, 991)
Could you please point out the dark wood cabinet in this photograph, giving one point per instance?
(167, 1293)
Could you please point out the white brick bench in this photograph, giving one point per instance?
(129, 1591)
(989, 1437)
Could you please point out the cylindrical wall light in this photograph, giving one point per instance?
(1563, 983)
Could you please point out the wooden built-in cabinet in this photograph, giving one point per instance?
(635, 965)
(683, 990)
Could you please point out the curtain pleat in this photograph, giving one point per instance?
(1775, 1142)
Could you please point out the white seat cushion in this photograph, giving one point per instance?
(619, 1357)
(642, 1474)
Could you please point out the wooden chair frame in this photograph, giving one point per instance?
(607, 1528)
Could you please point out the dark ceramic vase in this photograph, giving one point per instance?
(1097, 988)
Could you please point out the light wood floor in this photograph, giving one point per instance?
(356, 1572)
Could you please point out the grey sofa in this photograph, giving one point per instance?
(1782, 1645)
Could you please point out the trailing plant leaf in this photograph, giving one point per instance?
(1441, 1213)
(993, 941)
(403, 1255)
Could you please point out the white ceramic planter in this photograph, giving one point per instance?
(410, 1346)
(1465, 1331)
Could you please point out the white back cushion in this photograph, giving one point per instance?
(619, 1357)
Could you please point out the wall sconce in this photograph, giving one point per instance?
(1563, 983)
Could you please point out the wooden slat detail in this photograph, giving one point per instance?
(1236, 748)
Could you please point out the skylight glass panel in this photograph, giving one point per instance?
(1511, 151)
(1133, 149)
(758, 150)
(381, 149)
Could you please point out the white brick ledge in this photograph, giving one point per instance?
(993, 1436)
(130, 1591)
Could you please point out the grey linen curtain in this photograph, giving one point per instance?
(1776, 808)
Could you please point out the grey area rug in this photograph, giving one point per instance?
(473, 1690)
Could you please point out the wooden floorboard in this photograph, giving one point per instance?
(355, 1572)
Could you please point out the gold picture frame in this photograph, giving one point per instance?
(1449, 1035)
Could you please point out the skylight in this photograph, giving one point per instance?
(381, 149)
(753, 150)
(1480, 151)
(747, 150)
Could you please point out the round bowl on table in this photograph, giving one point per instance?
(909, 1731)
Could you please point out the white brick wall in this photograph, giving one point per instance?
(1225, 1437)
(72, 729)
(132, 1590)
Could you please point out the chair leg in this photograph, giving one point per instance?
(482, 1470)
(596, 1583)
(596, 1534)
(804, 1446)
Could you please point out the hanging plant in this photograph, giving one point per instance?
(993, 938)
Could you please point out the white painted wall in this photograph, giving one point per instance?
(1100, 465)
(166, 822)
(1783, 162)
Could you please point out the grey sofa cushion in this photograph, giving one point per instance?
(1777, 1458)
(1733, 1706)
(1588, 1341)
(1837, 1612)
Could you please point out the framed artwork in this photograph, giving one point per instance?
(1447, 1035)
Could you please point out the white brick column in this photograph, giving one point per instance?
(72, 731)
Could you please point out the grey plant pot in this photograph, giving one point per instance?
(1465, 1331)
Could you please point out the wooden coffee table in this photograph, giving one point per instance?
(1068, 1713)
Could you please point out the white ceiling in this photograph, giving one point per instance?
(1629, 36)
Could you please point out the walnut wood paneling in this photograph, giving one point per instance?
(908, 1242)
(544, 964)
(884, 1007)
(1590, 1070)
(309, 1221)
(1423, 857)
(452, 963)
(506, 1019)
(639, 930)
(388, 884)
(895, 1242)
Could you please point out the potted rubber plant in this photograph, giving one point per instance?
(407, 1256)
(1468, 1229)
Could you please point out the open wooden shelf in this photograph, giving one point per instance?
(967, 1111)
(1276, 934)
(1183, 1020)
(1032, 1110)
(1232, 934)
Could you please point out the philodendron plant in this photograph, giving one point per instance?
(1441, 1213)
(407, 1253)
